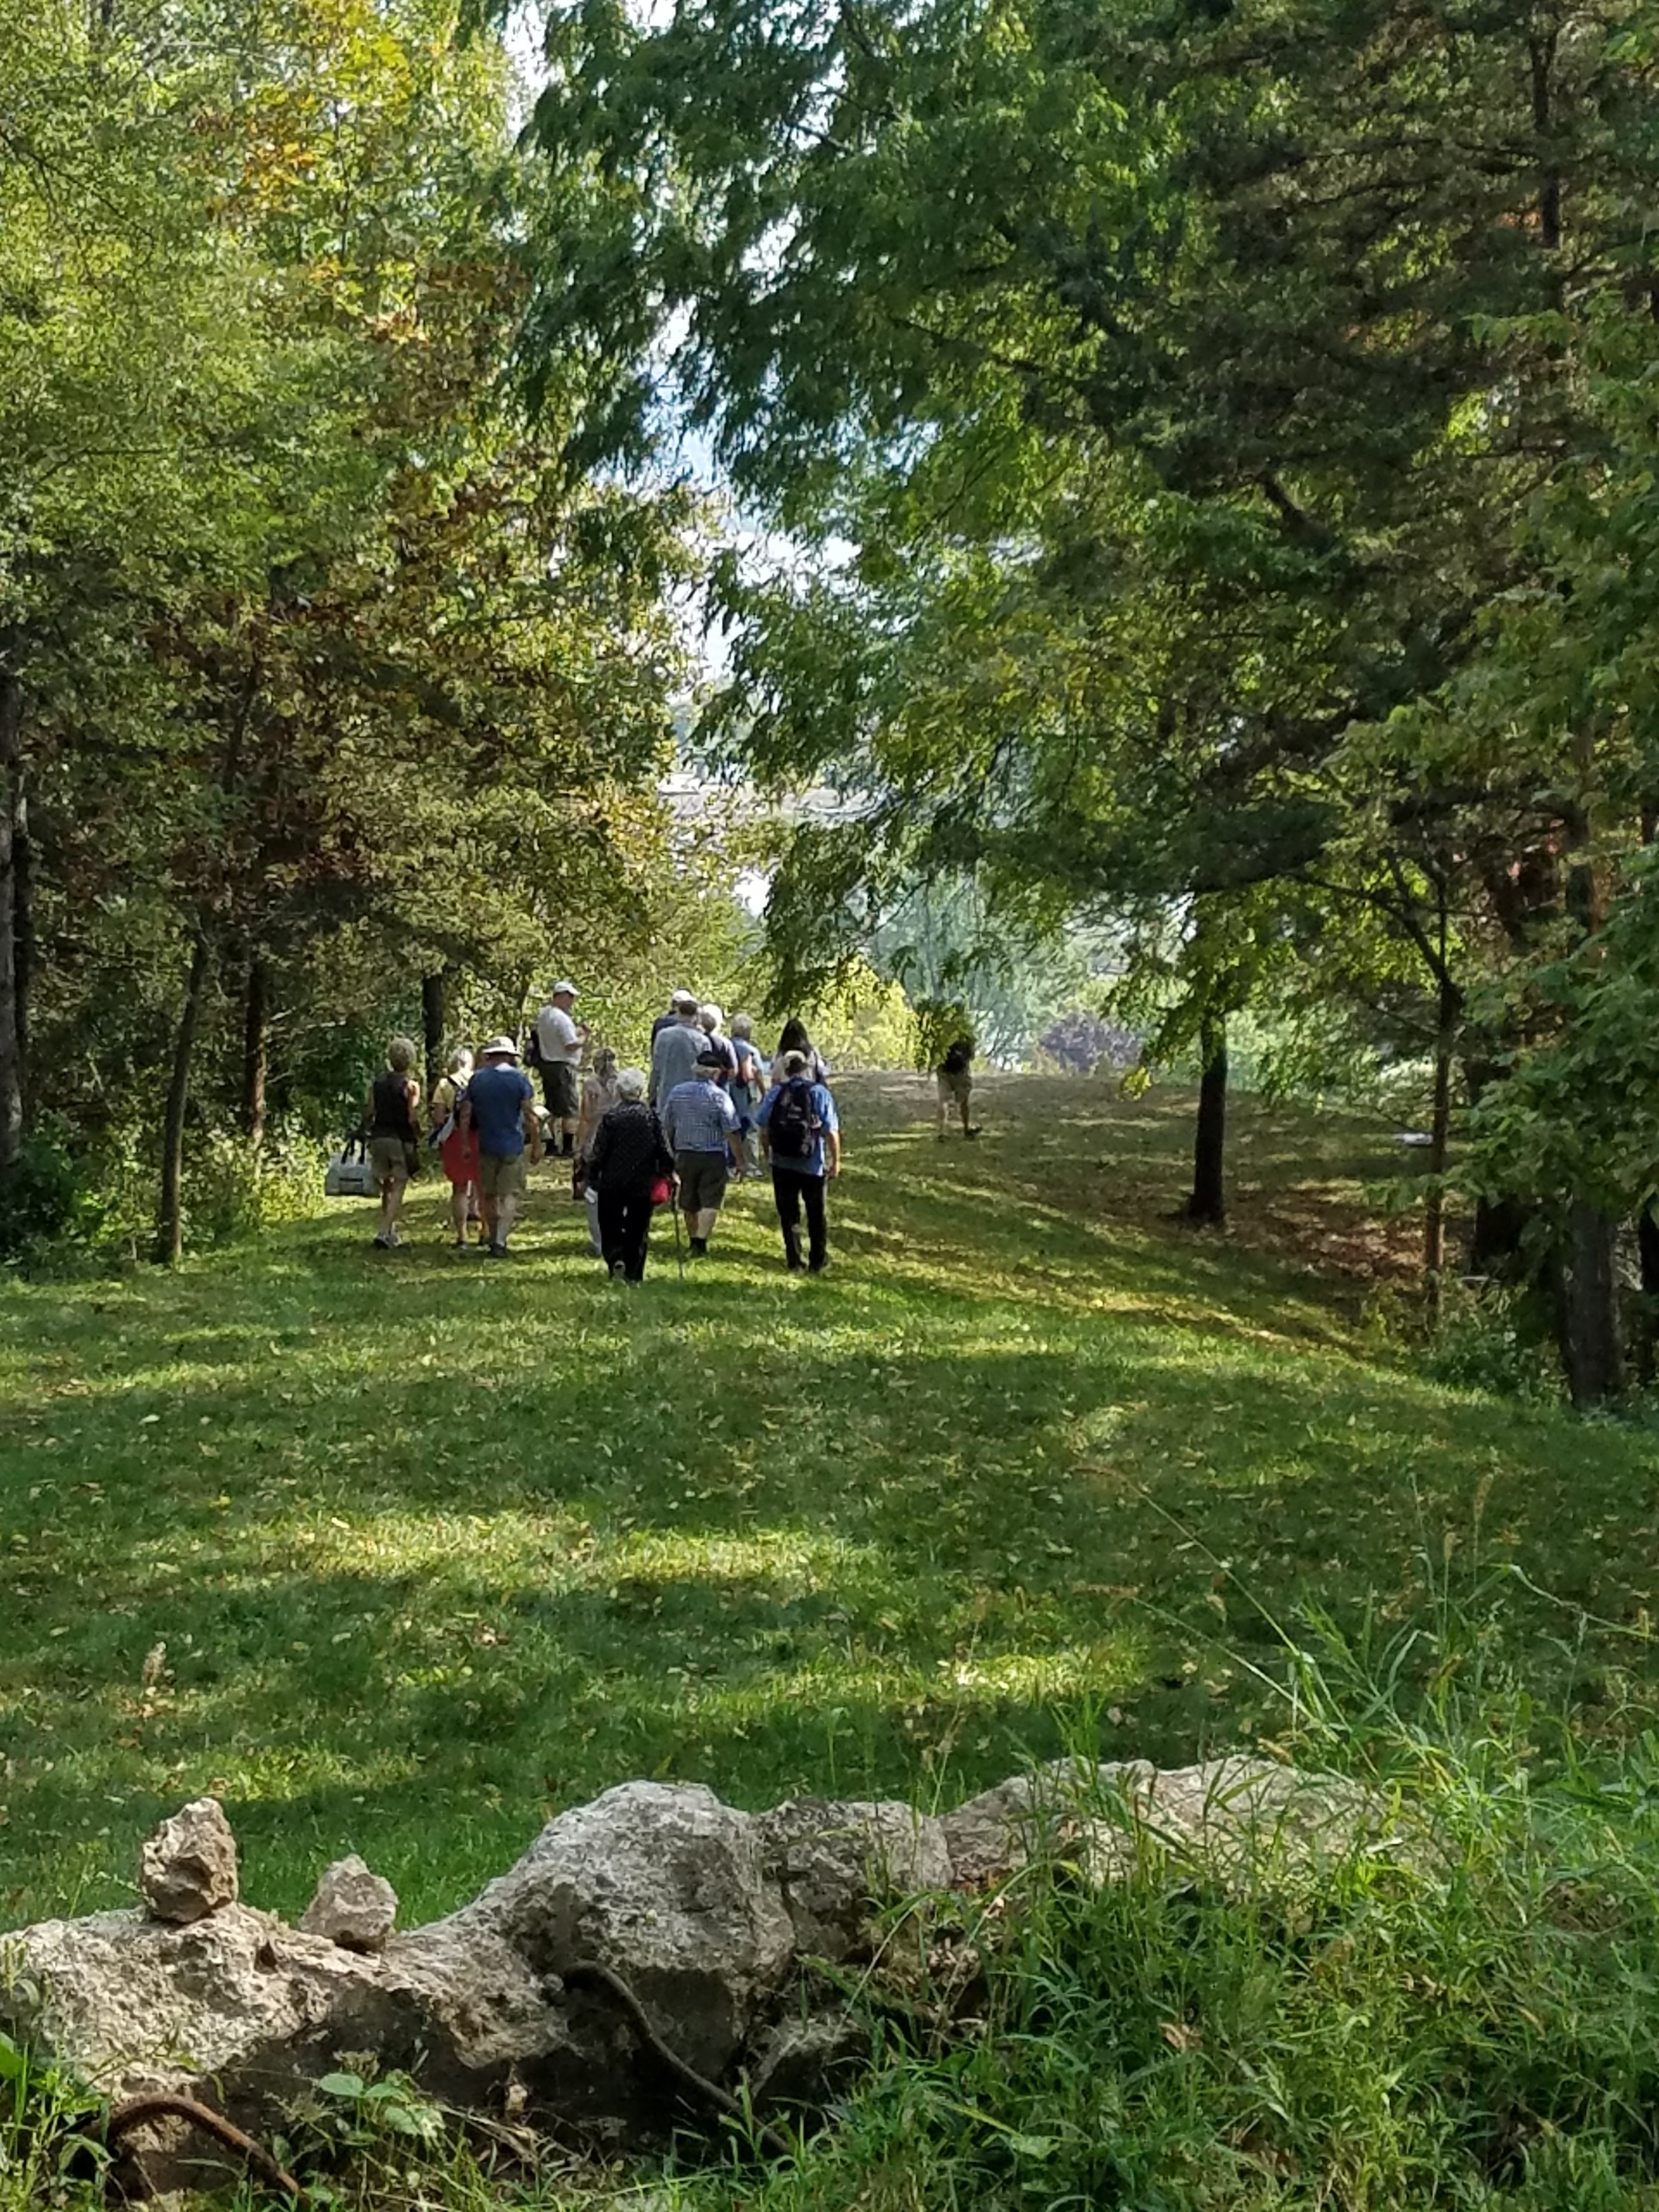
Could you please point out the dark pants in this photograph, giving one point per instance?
(792, 1191)
(625, 1228)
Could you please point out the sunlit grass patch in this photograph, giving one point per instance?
(432, 1550)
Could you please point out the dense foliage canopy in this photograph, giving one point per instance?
(1214, 440)
(323, 676)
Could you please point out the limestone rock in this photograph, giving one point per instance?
(834, 1860)
(805, 2063)
(662, 1884)
(700, 1909)
(187, 1869)
(244, 2011)
(1227, 1812)
(354, 1908)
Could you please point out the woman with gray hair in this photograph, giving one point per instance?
(632, 1169)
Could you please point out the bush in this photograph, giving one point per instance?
(232, 1194)
(1485, 1341)
(39, 1198)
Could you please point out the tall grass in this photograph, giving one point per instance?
(1457, 2008)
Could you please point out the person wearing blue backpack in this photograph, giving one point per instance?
(801, 1137)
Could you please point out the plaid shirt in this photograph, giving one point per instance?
(698, 1116)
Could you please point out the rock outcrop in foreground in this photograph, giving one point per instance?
(709, 1915)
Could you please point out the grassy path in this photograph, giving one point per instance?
(436, 1549)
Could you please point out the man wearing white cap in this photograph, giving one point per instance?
(500, 1103)
(562, 1043)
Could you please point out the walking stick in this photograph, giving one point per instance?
(679, 1249)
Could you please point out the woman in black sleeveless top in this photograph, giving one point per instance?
(394, 1135)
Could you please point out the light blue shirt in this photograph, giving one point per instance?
(822, 1106)
(697, 1117)
(673, 1061)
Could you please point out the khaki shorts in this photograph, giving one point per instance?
(703, 1177)
(559, 1088)
(389, 1157)
(502, 1174)
(957, 1087)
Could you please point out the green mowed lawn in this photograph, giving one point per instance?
(436, 1548)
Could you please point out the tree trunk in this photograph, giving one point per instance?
(1587, 1308)
(23, 933)
(11, 860)
(1647, 1246)
(170, 1224)
(1434, 1218)
(256, 1050)
(433, 1020)
(1208, 1202)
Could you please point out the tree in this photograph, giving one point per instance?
(1209, 357)
(320, 672)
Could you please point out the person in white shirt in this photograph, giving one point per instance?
(562, 1043)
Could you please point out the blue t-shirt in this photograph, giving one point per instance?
(498, 1095)
(822, 1106)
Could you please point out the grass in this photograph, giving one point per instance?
(435, 1550)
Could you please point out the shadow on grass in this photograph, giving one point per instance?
(435, 1547)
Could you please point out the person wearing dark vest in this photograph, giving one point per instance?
(394, 1135)
(955, 1076)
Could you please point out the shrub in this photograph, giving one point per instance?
(1485, 1342)
(233, 1194)
(39, 1198)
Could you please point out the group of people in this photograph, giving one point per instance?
(710, 1110)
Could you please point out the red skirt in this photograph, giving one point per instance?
(459, 1154)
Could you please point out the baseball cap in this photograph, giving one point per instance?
(497, 1047)
(559, 990)
(712, 1056)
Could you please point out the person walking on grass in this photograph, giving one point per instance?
(560, 1043)
(801, 1135)
(630, 1165)
(700, 1124)
(674, 1054)
(795, 1039)
(709, 1020)
(954, 1075)
(499, 1104)
(680, 1003)
(458, 1152)
(600, 1095)
(394, 1135)
(748, 1088)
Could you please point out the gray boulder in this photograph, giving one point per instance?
(187, 1869)
(354, 1908)
(1230, 1813)
(805, 2062)
(662, 1884)
(834, 1860)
